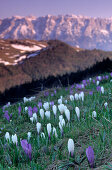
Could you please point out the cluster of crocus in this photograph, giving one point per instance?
(28, 99)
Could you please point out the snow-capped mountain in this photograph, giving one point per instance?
(85, 32)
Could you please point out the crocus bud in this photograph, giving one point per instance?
(97, 83)
(7, 136)
(94, 114)
(54, 132)
(29, 135)
(46, 106)
(59, 101)
(61, 108)
(102, 89)
(32, 119)
(38, 125)
(54, 109)
(71, 97)
(71, 147)
(35, 117)
(76, 96)
(77, 110)
(105, 104)
(42, 113)
(42, 135)
(14, 139)
(60, 118)
(67, 114)
(90, 156)
(49, 129)
(27, 148)
(47, 114)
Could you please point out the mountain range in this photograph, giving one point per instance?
(80, 31)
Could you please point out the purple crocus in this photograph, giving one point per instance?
(19, 110)
(111, 74)
(6, 115)
(52, 94)
(98, 88)
(39, 104)
(90, 156)
(54, 91)
(52, 103)
(35, 109)
(27, 148)
(30, 113)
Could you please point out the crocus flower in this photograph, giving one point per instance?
(54, 109)
(7, 136)
(54, 132)
(91, 93)
(94, 114)
(49, 129)
(35, 109)
(61, 108)
(32, 119)
(27, 148)
(29, 135)
(30, 112)
(47, 114)
(76, 96)
(77, 110)
(51, 103)
(90, 156)
(39, 104)
(35, 117)
(19, 110)
(102, 89)
(38, 125)
(67, 114)
(14, 139)
(42, 135)
(105, 104)
(42, 113)
(71, 147)
(46, 106)
(59, 101)
(71, 97)
(6, 115)
(60, 118)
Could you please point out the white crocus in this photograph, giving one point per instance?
(29, 135)
(42, 135)
(105, 104)
(67, 114)
(77, 110)
(102, 89)
(38, 125)
(63, 122)
(32, 119)
(54, 109)
(65, 101)
(61, 108)
(71, 97)
(60, 118)
(47, 114)
(94, 114)
(26, 108)
(42, 113)
(97, 83)
(59, 101)
(14, 139)
(7, 136)
(35, 117)
(76, 96)
(54, 132)
(71, 147)
(49, 129)
(46, 106)
(81, 96)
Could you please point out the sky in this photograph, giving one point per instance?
(91, 8)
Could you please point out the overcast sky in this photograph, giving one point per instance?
(92, 8)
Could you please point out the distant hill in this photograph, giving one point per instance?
(25, 61)
(85, 32)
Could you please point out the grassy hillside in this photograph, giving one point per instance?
(57, 60)
(85, 127)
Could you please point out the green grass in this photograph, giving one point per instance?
(47, 154)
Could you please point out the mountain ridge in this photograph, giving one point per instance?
(86, 32)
